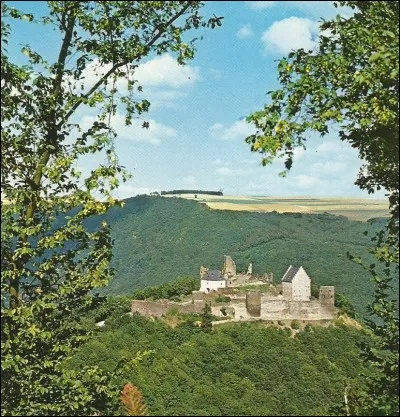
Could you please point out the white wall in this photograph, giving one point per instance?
(207, 286)
(301, 286)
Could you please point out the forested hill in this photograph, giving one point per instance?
(159, 239)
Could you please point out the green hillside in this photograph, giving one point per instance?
(236, 370)
(159, 239)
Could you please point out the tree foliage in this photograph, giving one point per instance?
(237, 369)
(206, 318)
(351, 81)
(170, 290)
(50, 260)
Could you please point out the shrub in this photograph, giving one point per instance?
(222, 299)
(173, 311)
(295, 324)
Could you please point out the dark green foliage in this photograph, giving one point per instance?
(158, 239)
(344, 305)
(222, 299)
(295, 324)
(314, 290)
(106, 306)
(206, 318)
(237, 369)
(170, 290)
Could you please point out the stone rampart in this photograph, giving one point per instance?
(159, 308)
(253, 303)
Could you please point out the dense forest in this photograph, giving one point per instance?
(159, 239)
(236, 369)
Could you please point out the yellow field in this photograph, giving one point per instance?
(360, 209)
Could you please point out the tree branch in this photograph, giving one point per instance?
(120, 64)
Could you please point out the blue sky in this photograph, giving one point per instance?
(196, 135)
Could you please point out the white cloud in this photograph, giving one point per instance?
(298, 153)
(228, 172)
(328, 167)
(328, 147)
(161, 98)
(260, 5)
(307, 181)
(128, 190)
(134, 132)
(291, 33)
(165, 71)
(312, 9)
(162, 78)
(190, 180)
(217, 162)
(238, 130)
(245, 31)
(318, 9)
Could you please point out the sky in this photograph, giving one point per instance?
(197, 127)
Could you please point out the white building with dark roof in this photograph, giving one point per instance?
(296, 284)
(212, 281)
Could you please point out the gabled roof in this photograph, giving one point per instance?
(213, 276)
(290, 274)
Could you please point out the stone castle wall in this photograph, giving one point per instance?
(253, 303)
(267, 306)
(161, 307)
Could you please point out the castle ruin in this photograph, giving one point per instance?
(228, 277)
(294, 301)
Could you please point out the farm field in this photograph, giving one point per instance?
(360, 209)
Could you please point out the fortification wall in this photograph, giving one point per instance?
(287, 290)
(237, 280)
(161, 307)
(273, 306)
(226, 290)
(238, 300)
(197, 295)
(253, 303)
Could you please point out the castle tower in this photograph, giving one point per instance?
(229, 266)
(250, 269)
(203, 271)
(327, 297)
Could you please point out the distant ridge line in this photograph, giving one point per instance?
(192, 192)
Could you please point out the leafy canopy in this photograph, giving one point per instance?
(351, 81)
(50, 259)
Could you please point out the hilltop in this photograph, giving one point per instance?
(353, 208)
(158, 239)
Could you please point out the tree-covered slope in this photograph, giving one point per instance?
(237, 369)
(158, 239)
